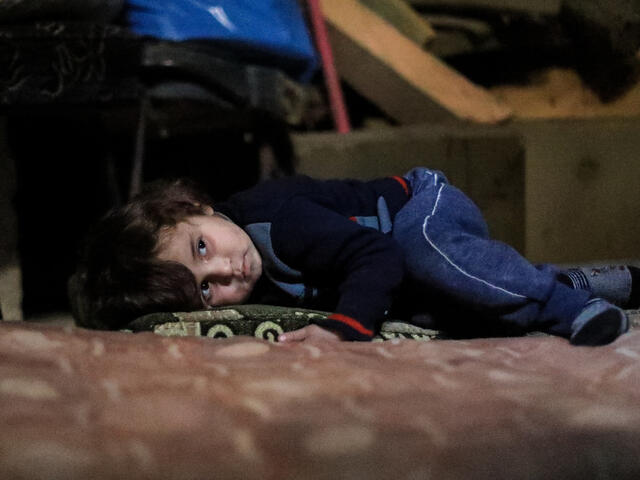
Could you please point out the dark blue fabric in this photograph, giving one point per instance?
(448, 250)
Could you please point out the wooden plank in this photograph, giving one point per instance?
(400, 14)
(406, 82)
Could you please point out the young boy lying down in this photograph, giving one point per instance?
(361, 250)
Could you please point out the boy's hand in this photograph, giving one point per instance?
(310, 332)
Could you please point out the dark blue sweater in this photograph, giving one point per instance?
(326, 245)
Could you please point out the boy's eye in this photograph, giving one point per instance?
(202, 247)
(205, 289)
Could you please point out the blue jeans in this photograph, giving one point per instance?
(449, 254)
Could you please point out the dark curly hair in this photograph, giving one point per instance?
(118, 276)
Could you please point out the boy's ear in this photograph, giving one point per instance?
(206, 209)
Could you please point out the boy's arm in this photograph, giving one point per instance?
(367, 265)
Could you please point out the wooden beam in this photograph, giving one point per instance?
(406, 82)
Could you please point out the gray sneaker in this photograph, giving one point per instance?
(598, 323)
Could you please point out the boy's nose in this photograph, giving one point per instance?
(221, 267)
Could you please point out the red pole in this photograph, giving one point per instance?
(336, 99)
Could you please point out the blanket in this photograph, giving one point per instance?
(77, 403)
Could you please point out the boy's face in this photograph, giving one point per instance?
(221, 256)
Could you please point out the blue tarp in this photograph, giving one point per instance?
(271, 32)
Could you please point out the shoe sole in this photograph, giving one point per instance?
(601, 329)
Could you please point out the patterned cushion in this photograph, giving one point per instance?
(261, 321)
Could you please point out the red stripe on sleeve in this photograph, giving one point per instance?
(351, 323)
(402, 182)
